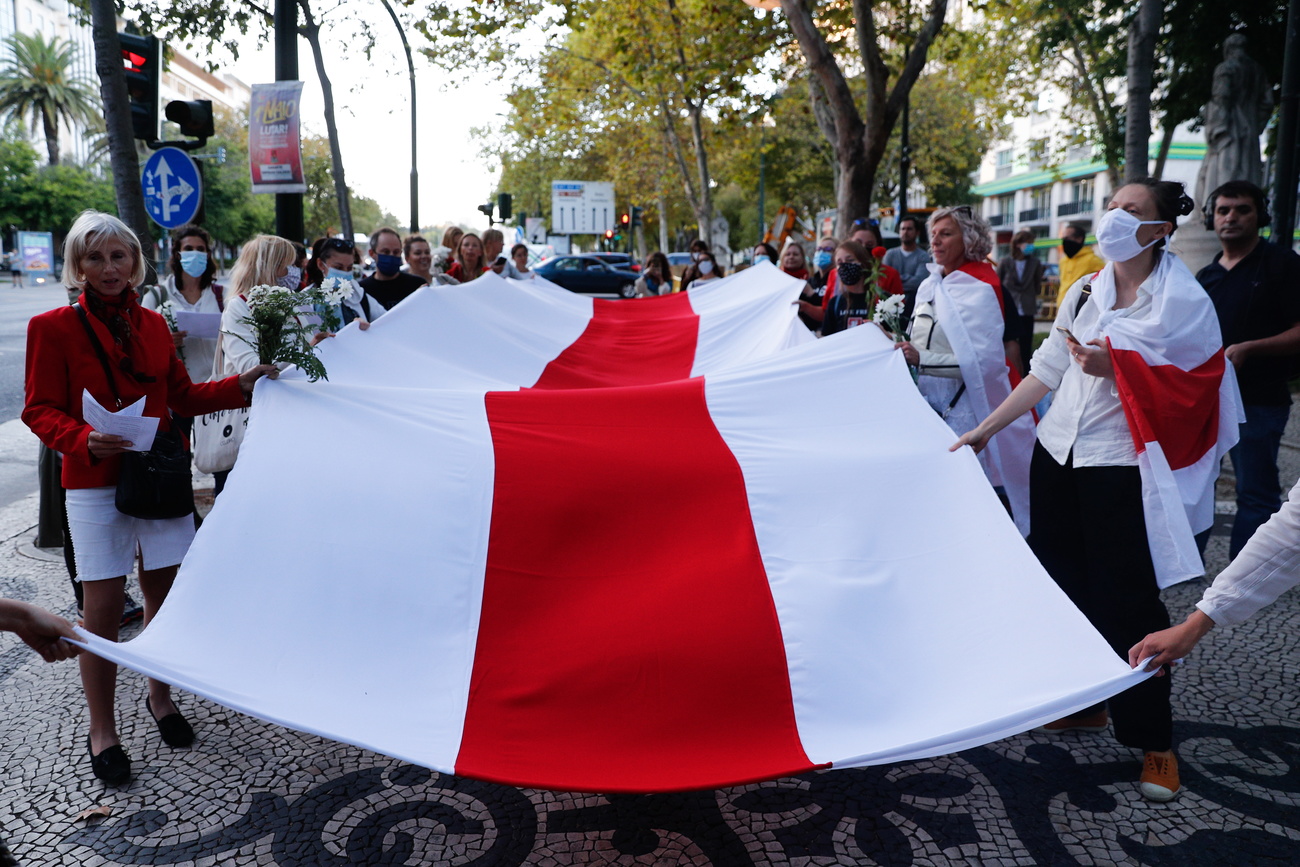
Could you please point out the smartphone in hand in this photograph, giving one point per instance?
(1069, 335)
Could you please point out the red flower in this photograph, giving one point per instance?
(878, 252)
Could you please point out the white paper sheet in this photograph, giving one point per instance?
(198, 324)
(129, 423)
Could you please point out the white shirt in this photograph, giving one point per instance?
(1086, 415)
(1266, 568)
(198, 351)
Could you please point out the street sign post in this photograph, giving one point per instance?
(172, 188)
(582, 207)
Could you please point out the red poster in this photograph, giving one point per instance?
(274, 151)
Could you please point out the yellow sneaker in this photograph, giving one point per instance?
(1093, 722)
(1159, 780)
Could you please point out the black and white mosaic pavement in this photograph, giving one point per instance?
(253, 793)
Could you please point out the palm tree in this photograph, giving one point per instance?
(37, 81)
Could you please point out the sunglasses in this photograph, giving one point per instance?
(338, 244)
(864, 223)
(964, 210)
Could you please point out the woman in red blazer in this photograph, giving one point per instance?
(102, 257)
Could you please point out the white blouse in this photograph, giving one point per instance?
(1086, 415)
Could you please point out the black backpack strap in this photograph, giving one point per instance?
(1084, 295)
(99, 351)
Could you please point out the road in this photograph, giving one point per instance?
(17, 445)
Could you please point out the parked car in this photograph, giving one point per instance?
(678, 263)
(618, 260)
(588, 273)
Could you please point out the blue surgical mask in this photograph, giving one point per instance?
(822, 259)
(760, 258)
(338, 274)
(194, 262)
(388, 265)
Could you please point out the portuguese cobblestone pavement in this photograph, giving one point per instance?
(253, 793)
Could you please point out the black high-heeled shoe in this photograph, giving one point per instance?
(112, 765)
(174, 728)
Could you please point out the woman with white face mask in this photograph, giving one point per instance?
(190, 286)
(1144, 407)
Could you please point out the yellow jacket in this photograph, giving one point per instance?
(1082, 264)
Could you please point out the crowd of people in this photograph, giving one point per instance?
(1070, 478)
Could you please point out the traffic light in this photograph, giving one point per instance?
(194, 117)
(624, 221)
(636, 216)
(142, 59)
(486, 210)
(609, 234)
(503, 206)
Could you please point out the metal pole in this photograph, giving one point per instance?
(1284, 191)
(415, 175)
(904, 162)
(288, 206)
(762, 178)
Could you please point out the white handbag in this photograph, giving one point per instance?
(217, 436)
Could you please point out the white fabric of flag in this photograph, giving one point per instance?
(757, 558)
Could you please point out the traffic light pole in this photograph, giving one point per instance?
(288, 206)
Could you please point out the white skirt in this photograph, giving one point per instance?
(105, 541)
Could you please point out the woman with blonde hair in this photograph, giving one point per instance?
(110, 347)
(264, 261)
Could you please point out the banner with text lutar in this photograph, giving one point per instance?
(274, 138)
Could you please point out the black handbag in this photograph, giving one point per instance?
(156, 484)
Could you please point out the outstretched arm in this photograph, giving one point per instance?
(39, 629)
(1026, 395)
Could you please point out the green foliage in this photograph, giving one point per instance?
(37, 82)
(48, 198)
(278, 332)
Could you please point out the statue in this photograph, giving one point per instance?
(1240, 105)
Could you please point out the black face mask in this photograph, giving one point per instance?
(850, 273)
(1071, 247)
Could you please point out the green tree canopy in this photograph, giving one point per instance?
(37, 82)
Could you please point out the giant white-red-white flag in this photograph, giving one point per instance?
(669, 581)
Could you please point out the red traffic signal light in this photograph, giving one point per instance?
(624, 220)
(609, 234)
(142, 66)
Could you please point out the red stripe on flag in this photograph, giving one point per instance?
(1164, 403)
(629, 342)
(628, 639)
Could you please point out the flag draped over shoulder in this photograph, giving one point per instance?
(641, 545)
(1181, 401)
(968, 304)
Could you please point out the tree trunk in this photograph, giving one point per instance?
(679, 156)
(859, 139)
(1142, 33)
(51, 126)
(704, 207)
(311, 32)
(123, 162)
(662, 207)
(1166, 141)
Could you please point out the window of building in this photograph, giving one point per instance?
(1004, 165)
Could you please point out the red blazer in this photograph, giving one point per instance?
(61, 362)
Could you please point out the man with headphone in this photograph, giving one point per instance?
(1255, 287)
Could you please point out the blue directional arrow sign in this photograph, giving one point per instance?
(172, 189)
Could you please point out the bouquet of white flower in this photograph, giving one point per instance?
(889, 315)
(279, 335)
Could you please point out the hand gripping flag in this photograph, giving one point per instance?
(673, 583)
(1182, 405)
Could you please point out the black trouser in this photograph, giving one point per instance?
(1089, 533)
(1025, 337)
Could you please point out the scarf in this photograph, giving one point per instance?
(116, 312)
(797, 273)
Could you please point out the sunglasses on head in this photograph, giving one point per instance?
(964, 210)
(864, 223)
(338, 244)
